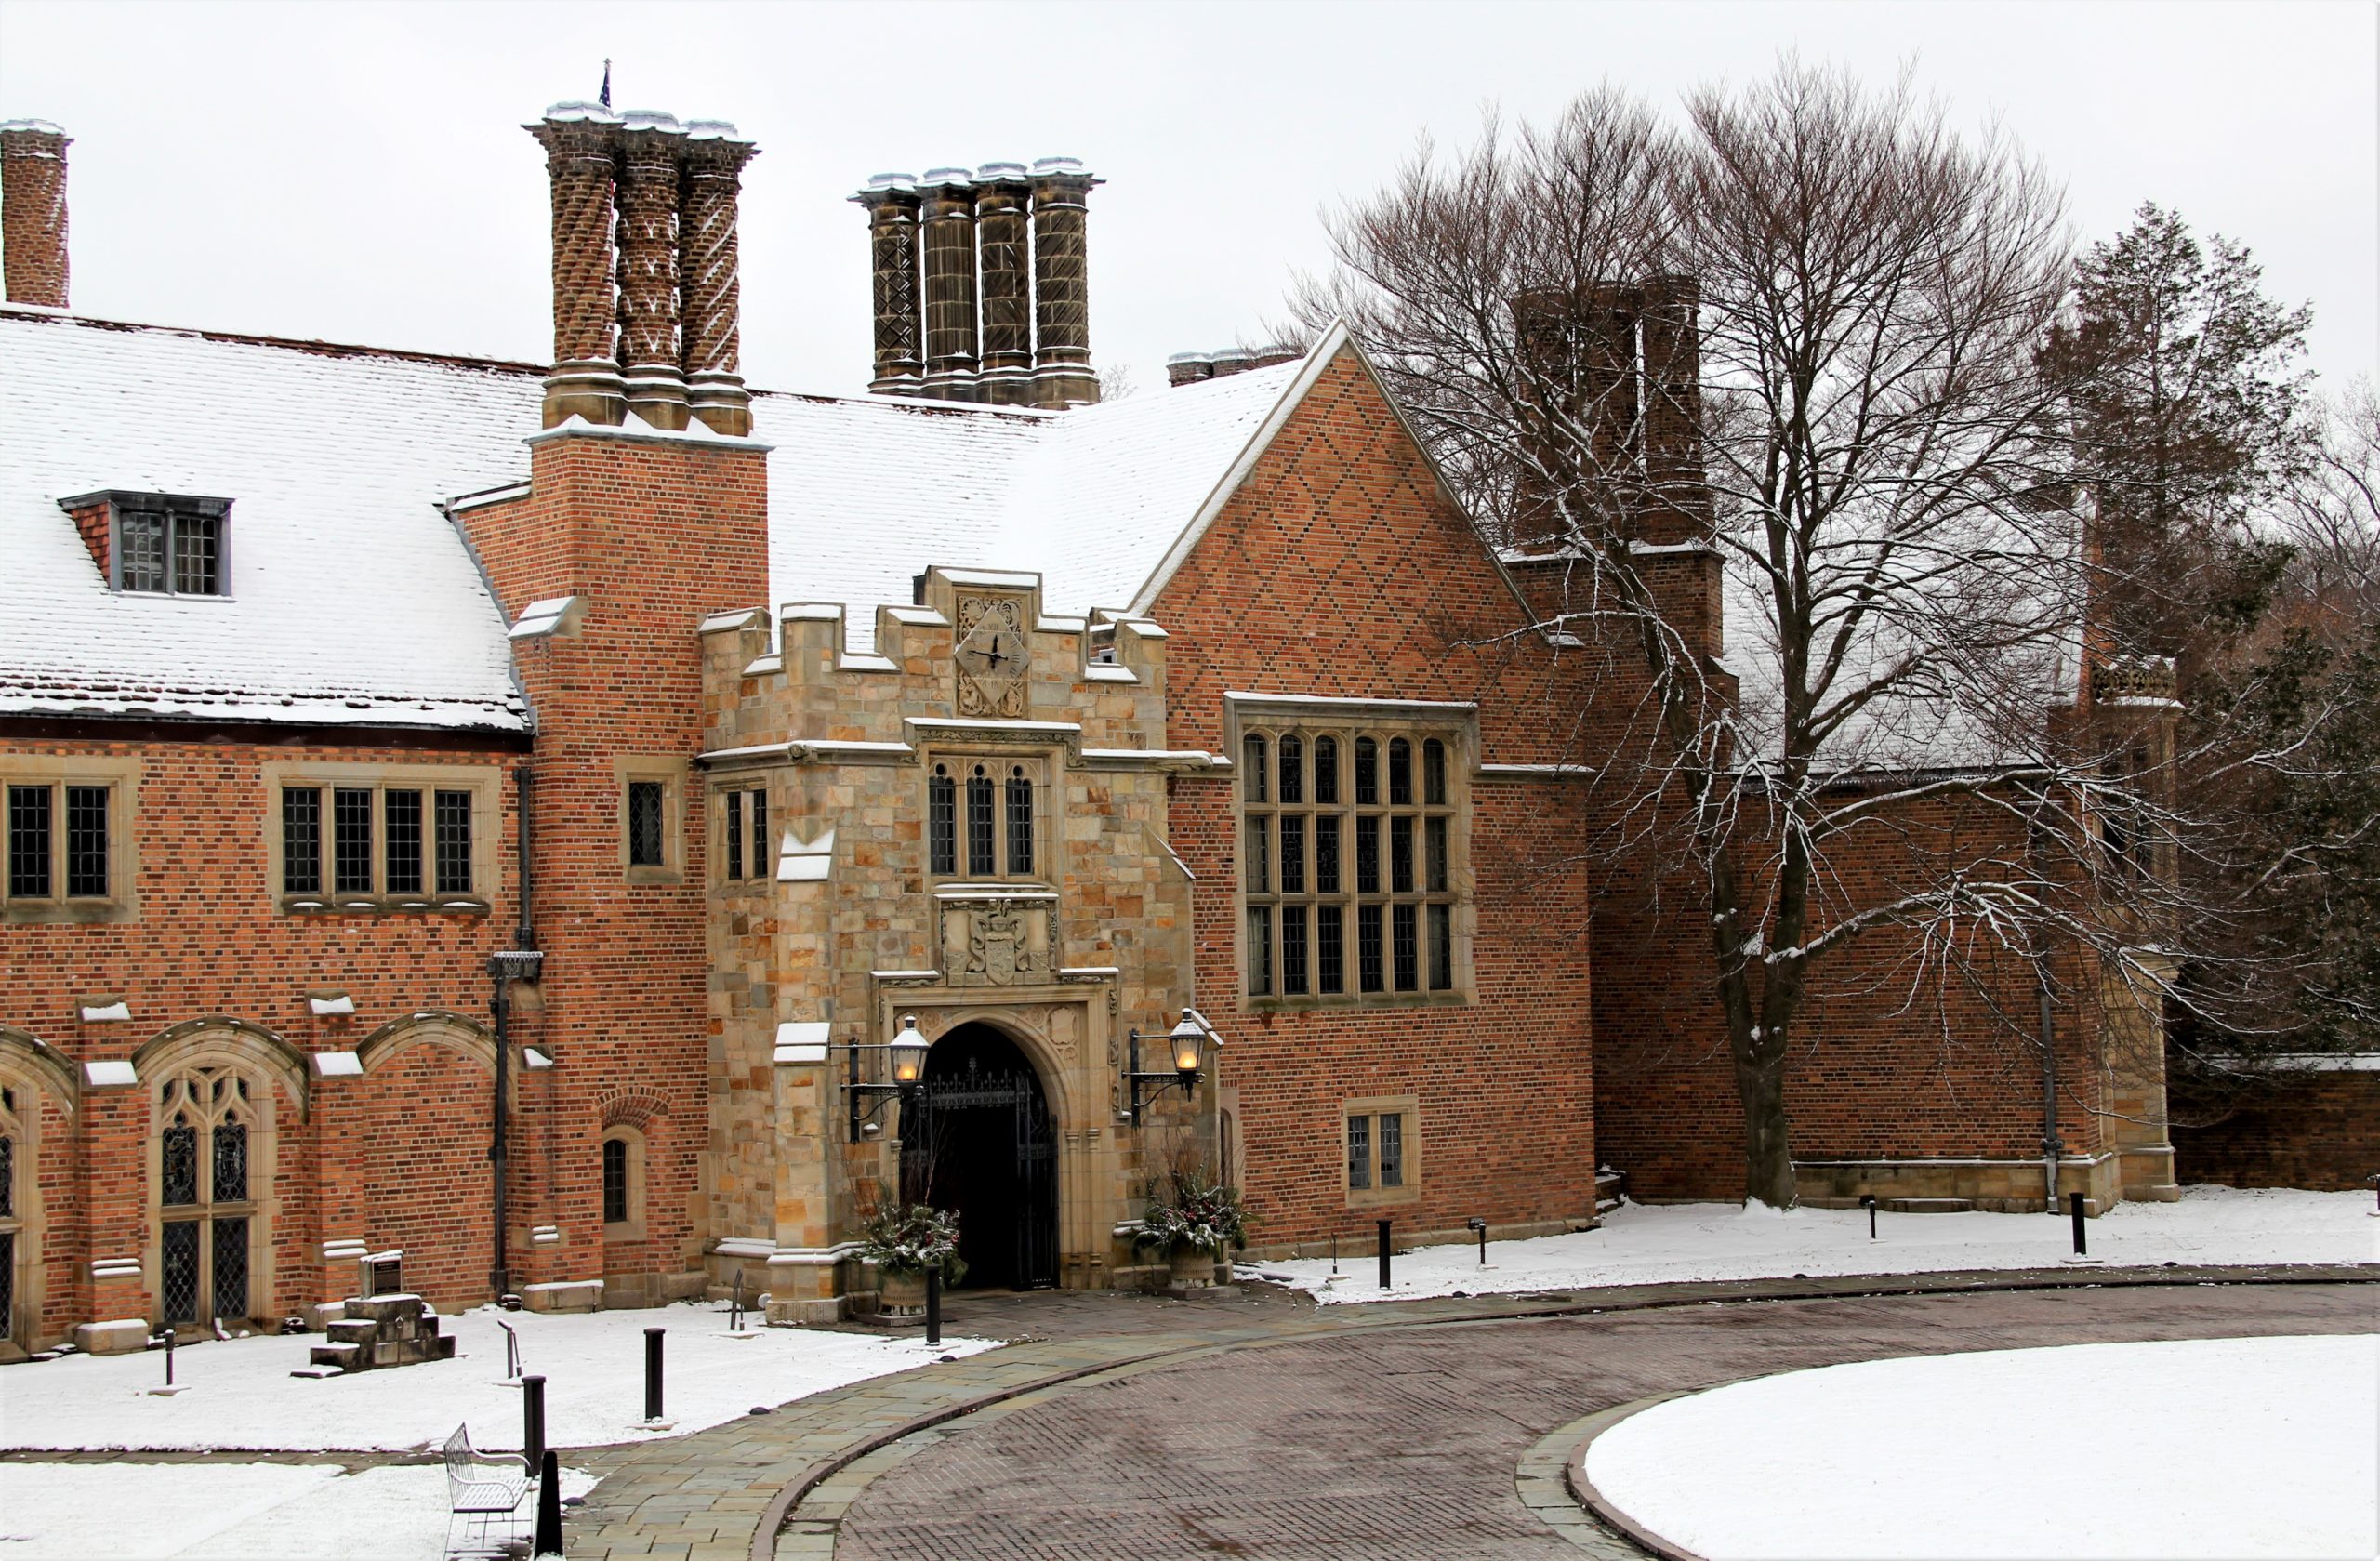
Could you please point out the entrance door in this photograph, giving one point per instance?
(980, 1141)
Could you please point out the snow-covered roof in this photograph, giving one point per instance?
(353, 601)
(866, 493)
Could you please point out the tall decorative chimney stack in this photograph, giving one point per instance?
(891, 203)
(1680, 507)
(33, 211)
(581, 141)
(709, 195)
(950, 284)
(1061, 375)
(650, 144)
(1001, 192)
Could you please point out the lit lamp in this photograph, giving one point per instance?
(1186, 1046)
(907, 1051)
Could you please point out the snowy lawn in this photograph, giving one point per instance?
(1645, 1245)
(2213, 1448)
(241, 1394)
(236, 1512)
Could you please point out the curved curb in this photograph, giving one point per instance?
(1582, 1491)
(783, 1507)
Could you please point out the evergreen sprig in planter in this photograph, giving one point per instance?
(905, 1243)
(1195, 1223)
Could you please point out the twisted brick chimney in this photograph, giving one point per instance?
(950, 284)
(33, 211)
(1061, 375)
(650, 324)
(892, 202)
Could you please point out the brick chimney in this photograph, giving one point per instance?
(33, 211)
(950, 210)
(650, 143)
(650, 323)
(1679, 507)
(1061, 375)
(709, 195)
(581, 141)
(1003, 243)
(892, 202)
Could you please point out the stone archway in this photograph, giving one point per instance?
(981, 1139)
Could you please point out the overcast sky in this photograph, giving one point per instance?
(356, 172)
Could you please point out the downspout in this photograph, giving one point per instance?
(2051, 1148)
(521, 963)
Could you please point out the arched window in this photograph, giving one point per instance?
(1367, 772)
(1400, 772)
(206, 1194)
(1020, 822)
(1254, 747)
(942, 821)
(1434, 774)
(623, 1183)
(1292, 769)
(1325, 771)
(12, 1135)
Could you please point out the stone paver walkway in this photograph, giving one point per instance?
(1137, 1426)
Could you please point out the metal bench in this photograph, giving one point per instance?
(483, 1490)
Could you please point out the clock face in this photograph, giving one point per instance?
(992, 657)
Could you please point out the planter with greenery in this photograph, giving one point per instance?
(905, 1242)
(1195, 1223)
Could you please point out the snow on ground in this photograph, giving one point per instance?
(1641, 1244)
(2206, 1448)
(240, 1393)
(227, 1512)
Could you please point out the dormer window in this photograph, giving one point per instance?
(157, 544)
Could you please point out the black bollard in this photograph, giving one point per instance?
(169, 1358)
(532, 1420)
(548, 1540)
(2074, 1207)
(933, 1305)
(1384, 1254)
(652, 1372)
(1481, 1226)
(1868, 1201)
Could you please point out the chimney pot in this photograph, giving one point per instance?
(1233, 360)
(1188, 368)
(991, 172)
(888, 182)
(1003, 245)
(1061, 374)
(951, 297)
(651, 119)
(565, 113)
(33, 211)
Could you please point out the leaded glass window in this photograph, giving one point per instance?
(646, 841)
(301, 840)
(982, 846)
(1341, 826)
(351, 839)
(983, 819)
(206, 1192)
(616, 1181)
(29, 842)
(941, 822)
(1020, 823)
(453, 826)
(1359, 1152)
(400, 838)
(734, 844)
(760, 833)
(162, 548)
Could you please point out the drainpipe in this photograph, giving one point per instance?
(521, 963)
(2051, 1148)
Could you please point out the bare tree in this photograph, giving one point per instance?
(1788, 350)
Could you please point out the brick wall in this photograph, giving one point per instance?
(2314, 1130)
(208, 941)
(656, 535)
(1340, 569)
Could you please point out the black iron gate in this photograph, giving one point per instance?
(983, 1143)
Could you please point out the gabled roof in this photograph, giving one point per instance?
(865, 493)
(352, 601)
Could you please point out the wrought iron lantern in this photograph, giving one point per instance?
(1187, 1046)
(908, 1051)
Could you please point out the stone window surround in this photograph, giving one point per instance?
(23, 1218)
(670, 770)
(1374, 1107)
(999, 759)
(757, 867)
(485, 782)
(121, 775)
(1454, 722)
(631, 1228)
(262, 1209)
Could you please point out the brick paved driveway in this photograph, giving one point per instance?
(1404, 1443)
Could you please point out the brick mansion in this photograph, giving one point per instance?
(504, 815)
